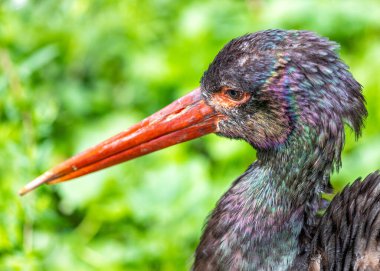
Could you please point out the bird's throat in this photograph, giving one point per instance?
(262, 221)
(254, 224)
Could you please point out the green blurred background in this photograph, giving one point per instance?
(75, 72)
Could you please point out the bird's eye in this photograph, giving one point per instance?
(230, 97)
(234, 94)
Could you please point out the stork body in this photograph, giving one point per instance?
(266, 220)
(288, 94)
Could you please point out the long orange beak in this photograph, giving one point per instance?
(187, 118)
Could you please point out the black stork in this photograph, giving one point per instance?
(288, 94)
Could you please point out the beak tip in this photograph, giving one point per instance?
(23, 191)
(27, 188)
(35, 183)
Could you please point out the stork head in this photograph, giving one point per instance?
(276, 84)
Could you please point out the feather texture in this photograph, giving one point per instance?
(348, 235)
(302, 94)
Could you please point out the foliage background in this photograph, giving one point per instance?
(74, 72)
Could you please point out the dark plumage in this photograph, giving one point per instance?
(348, 235)
(288, 94)
(301, 96)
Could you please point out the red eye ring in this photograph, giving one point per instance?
(234, 94)
(230, 97)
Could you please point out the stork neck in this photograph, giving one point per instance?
(264, 219)
(301, 168)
